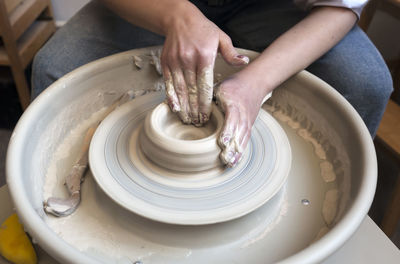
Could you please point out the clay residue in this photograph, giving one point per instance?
(327, 146)
(330, 205)
(322, 232)
(307, 136)
(270, 225)
(327, 172)
(63, 157)
(104, 237)
(138, 61)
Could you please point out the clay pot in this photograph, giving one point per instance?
(173, 145)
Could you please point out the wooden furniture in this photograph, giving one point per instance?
(24, 28)
(388, 6)
(388, 135)
(11, 4)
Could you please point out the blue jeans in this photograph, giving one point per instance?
(353, 67)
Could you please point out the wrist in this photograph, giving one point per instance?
(258, 84)
(182, 12)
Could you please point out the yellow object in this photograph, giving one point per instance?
(15, 245)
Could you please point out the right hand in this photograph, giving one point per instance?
(188, 57)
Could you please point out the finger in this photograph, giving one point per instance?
(233, 152)
(181, 92)
(205, 83)
(239, 127)
(228, 139)
(172, 98)
(230, 125)
(241, 137)
(229, 53)
(190, 78)
(230, 155)
(244, 141)
(227, 156)
(240, 147)
(205, 79)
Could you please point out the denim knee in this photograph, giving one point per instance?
(372, 97)
(379, 86)
(355, 68)
(42, 75)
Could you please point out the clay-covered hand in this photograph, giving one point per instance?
(241, 101)
(187, 59)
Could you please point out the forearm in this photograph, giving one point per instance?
(154, 15)
(299, 47)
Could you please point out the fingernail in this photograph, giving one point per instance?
(234, 160)
(225, 140)
(203, 118)
(238, 157)
(229, 156)
(226, 157)
(243, 58)
(174, 106)
(195, 120)
(185, 117)
(231, 161)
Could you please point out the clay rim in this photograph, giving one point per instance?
(184, 147)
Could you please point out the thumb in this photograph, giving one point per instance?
(229, 53)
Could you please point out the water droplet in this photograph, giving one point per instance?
(305, 202)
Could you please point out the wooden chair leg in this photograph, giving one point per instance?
(15, 61)
(47, 13)
(22, 86)
(392, 213)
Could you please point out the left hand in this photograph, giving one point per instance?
(188, 56)
(241, 101)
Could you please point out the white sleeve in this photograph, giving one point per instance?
(355, 5)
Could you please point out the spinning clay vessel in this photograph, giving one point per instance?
(169, 143)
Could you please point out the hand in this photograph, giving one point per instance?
(241, 101)
(187, 59)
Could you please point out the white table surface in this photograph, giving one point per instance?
(369, 245)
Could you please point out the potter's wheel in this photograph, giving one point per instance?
(171, 192)
(303, 223)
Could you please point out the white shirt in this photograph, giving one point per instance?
(355, 5)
